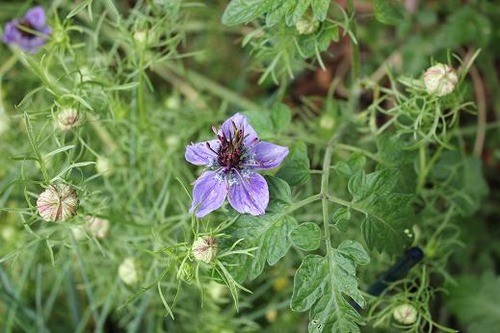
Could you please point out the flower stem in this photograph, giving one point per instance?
(325, 177)
(355, 59)
(422, 174)
(324, 199)
(140, 90)
(361, 151)
(7, 65)
(304, 202)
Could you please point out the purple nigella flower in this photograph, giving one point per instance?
(232, 160)
(29, 32)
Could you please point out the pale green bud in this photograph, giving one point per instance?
(405, 314)
(440, 80)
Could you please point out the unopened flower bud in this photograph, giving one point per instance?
(103, 167)
(58, 202)
(59, 35)
(97, 226)
(173, 102)
(68, 119)
(307, 25)
(327, 122)
(205, 249)
(8, 233)
(172, 141)
(405, 314)
(78, 232)
(440, 80)
(216, 291)
(271, 315)
(129, 271)
(141, 37)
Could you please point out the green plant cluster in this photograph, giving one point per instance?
(378, 164)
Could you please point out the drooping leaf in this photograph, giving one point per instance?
(465, 26)
(387, 212)
(279, 190)
(392, 153)
(268, 234)
(281, 116)
(244, 11)
(320, 8)
(260, 121)
(355, 163)
(278, 13)
(388, 11)
(462, 178)
(287, 11)
(311, 44)
(306, 236)
(326, 286)
(341, 218)
(295, 169)
(298, 11)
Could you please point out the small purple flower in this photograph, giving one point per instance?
(29, 32)
(231, 160)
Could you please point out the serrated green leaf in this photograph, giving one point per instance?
(387, 212)
(364, 187)
(465, 26)
(278, 13)
(306, 236)
(260, 121)
(244, 11)
(320, 9)
(321, 285)
(462, 177)
(391, 150)
(279, 190)
(392, 153)
(355, 163)
(295, 169)
(388, 11)
(475, 303)
(281, 116)
(269, 234)
(354, 251)
(292, 17)
(311, 44)
(341, 218)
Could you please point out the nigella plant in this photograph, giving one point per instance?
(231, 162)
(29, 32)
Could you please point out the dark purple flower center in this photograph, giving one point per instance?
(231, 152)
(26, 28)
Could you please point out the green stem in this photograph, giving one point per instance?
(7, 65)
(324, 195)
(359, 150)
(304, 202)
(355, 58)
(344, 203)
(33, 142)
(422, 174)
(325, 178)
(140, 90)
